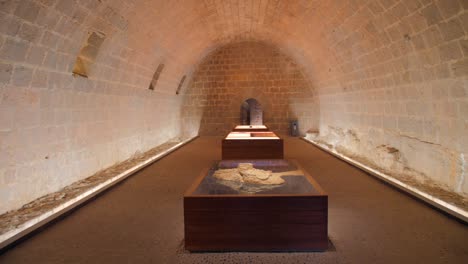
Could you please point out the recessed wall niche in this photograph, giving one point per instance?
(251, 112)
(88, 54)
(156, 75)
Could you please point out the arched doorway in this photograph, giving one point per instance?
(251, 112)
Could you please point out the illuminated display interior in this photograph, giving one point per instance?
(252, 135)
(250, 127)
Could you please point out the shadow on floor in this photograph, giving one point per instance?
(182, 251)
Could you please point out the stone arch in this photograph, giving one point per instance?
(239, 71)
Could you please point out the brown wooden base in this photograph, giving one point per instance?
(256, 222)
(252, 149)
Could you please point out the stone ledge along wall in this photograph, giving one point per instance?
(393, 91)
(239, 71)
(56, 128)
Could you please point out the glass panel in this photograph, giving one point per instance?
(254, 177)
(252, 135)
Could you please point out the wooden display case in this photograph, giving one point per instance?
(252, 145)
(250, 128)
(288, 217)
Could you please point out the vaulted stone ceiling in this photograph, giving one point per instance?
(384, 75)
(188, 30)
(329, 38)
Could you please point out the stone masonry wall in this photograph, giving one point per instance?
(239, 71)
(56, 128)
(393, 88)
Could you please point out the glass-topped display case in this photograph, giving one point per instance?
(223, 178)
(247, 128)
(255, 205)
(252, 145)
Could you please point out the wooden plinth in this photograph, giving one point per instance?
(252, 149)
(253, 222)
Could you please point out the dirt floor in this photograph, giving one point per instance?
(141, 219)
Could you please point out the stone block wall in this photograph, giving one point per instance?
(239, 71)
(56, 127)
(393, 88)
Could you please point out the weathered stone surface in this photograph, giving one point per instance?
(14, 50)
(27, 10)
(22, 76)
(418, 162)
(13, 219)
(247, 179)
(246, 173)
(5, 72)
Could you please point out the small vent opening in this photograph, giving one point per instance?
(156, 75)
(180, 85)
